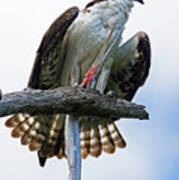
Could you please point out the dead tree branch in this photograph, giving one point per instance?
(68, 100)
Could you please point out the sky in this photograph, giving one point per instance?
(153, 147)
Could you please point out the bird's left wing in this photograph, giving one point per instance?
(131, 66)
(49, 59)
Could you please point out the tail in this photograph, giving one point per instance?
(100, 138)
(45, 134)
(41, 133)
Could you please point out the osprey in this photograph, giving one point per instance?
(68, 49)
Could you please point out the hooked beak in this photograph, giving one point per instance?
(140, 1)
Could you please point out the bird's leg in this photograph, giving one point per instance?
(112, 94)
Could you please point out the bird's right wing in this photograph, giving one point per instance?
(50, 58)
(45, 133)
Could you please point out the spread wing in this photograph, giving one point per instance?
(49, 59)
(131, 67)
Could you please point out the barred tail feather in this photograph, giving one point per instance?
(26, 128)
(20, 123)
(31, 133)
(40, 133)
(108, 145)
(15, 120)
(116, 136)
(85, 143)
(95, 139)
(45, 134)
(95, 144)
(34, 145)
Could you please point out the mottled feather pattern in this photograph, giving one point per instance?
(133, 69)
(49, 52)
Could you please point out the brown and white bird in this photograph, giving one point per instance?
(68, 49)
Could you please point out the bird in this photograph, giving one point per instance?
(67, 51)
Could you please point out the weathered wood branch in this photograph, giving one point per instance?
(68, 100)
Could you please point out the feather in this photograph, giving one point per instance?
(95, 144)
(108, 145)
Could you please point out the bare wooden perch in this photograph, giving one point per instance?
(68, 100)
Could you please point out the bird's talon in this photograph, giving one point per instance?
(98, 92)
(76, 85)
(112, 93)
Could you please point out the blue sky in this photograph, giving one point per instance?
(153, 149)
